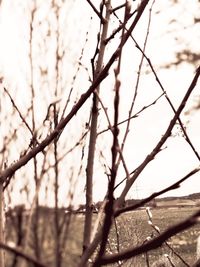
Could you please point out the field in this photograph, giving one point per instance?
(132, 229)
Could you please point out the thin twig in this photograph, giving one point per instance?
(19, 112)
(118, 7)
(110, 127)
(75, 76)
(119, 28)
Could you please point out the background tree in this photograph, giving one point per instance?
(70, 124)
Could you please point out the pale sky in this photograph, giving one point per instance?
(165, 39)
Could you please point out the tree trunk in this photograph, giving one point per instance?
(2, 224)
(93, 135)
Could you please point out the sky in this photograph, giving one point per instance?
(165, 38)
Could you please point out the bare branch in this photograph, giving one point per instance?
(156, 194)
(96, 11)
(118, 7)
(22, 255)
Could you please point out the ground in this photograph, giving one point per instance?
(131, 229)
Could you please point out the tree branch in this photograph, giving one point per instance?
(21, 254)
(156, 194)
(96, 11)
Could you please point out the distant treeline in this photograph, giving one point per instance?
(95, 207)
